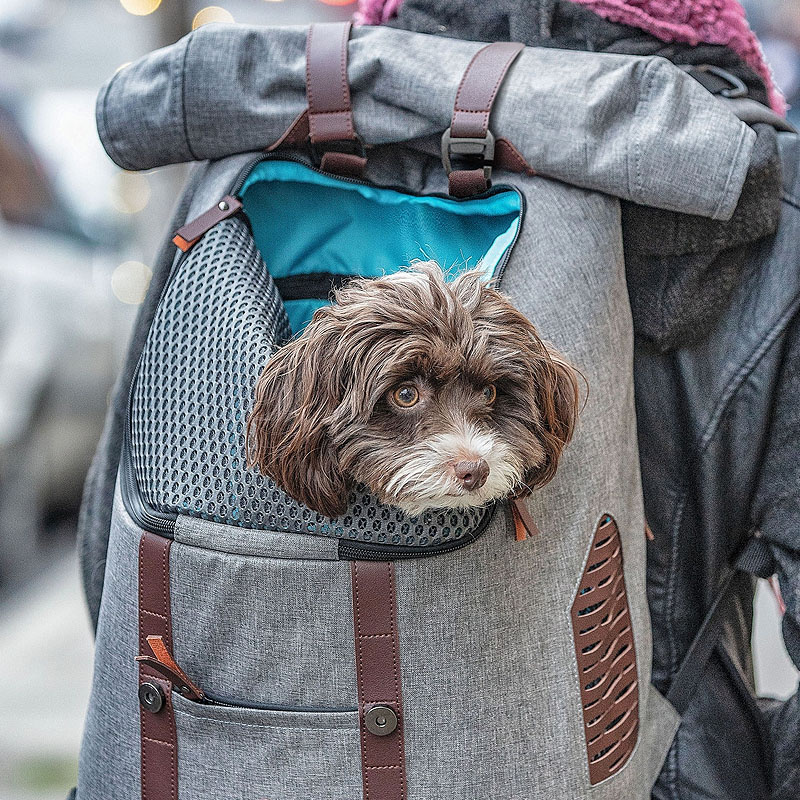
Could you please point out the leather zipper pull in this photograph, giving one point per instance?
(163, 662)
(187, 235)
(524, 526)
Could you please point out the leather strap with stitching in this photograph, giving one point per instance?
(378, 673)
(473, 107)
(330, 113)
(159, 746)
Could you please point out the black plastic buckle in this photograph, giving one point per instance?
(736, 88)
(468, 152)
(353, 147)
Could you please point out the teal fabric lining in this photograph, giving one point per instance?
(306, 222)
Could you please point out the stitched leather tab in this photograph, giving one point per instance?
(159, 745)
(606, 656)
(378, 673)
(479, 87)
(473, 107)
(524, 525)
(189, 233)
(330, 115)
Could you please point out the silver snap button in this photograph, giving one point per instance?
(151, 697)
(380, 720)
(223, 206)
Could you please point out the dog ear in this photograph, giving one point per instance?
(287, 431)
(558, 399)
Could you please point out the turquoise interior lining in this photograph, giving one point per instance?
(306, 222)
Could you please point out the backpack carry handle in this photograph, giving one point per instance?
(335, 145)
(468, 141)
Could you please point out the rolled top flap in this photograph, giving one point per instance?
(637, 128)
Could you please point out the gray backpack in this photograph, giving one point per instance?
(248, 647)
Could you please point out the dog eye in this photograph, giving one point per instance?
(406, 396)
(490, 393)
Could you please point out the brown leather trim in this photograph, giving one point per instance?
(188, 234)
(163, 663)
(347, 164)
(473, 107)
(606, 656)
(506, 156)
(378, 674)
(479, 87)
(330, 115)
(524, 524)
(296, 133)
(467, 182)
(159, 742)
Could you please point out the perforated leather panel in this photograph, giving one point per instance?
(606, 656)
(218, 321)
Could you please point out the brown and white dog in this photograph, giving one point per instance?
(432, 394)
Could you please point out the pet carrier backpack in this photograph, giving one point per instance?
(248, 647)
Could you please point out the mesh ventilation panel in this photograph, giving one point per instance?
(606, 656)
(218, 321)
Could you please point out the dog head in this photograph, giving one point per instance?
(432, 394)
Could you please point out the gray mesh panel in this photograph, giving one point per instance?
(217, 323)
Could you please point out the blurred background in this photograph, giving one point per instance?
(76, 238)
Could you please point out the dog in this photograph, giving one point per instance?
(431, 394)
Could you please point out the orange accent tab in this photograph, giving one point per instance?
(163, 655)
(181, 243)
(524, 525)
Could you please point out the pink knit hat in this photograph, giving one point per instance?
(720, 22)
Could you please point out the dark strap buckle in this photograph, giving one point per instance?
(736, 87)
(468, 153)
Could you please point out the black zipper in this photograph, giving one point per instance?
(210, 700)
(163, 524)
(350, 550)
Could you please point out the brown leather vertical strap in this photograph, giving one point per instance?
(330, 113)
(159, 745)
(380, 700)
(473, 107)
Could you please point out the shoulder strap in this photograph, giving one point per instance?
(468, 139)
(691, 670)
(330, 113)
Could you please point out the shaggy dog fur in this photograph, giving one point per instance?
(431, 394)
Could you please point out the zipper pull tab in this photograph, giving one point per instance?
(524, 526)
(164, 663)
(186, 236)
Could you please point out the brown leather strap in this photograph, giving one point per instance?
(159, 743)
(380, 700)
(473, 107)
(330, 113)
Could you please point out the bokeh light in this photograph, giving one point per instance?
(140, 8)
(211, 14)
(129, 282)
(131, 192)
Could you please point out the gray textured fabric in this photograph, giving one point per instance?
(195, 384)
(266, 752)
(637, 128)
(490, 683)
(110, 754)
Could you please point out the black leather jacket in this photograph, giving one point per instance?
(708, 425)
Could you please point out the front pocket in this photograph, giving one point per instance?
(254, 754)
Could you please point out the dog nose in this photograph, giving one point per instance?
(472, 474)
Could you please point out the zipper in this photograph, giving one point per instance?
(365, 551)
(163, 524)
(209, 700)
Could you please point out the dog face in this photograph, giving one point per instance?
(433, 395)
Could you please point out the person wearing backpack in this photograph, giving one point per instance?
(247, 646)
(717, 370)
